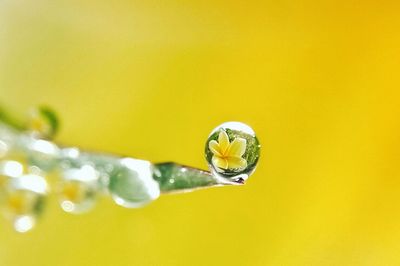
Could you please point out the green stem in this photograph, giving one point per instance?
(173, 177)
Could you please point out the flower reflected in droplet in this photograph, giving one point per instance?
(226, 154)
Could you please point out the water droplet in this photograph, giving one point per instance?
(71, 153)
(24, 223)
(23, 200)
(8, 170)
(232, 152)
(11, 168)
(132, 184)
(78, 189)
(42, 153)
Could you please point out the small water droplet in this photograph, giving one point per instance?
(23, 201)
(232, 152)
(24, 223)
(78, 189)
(42, 153)
(71, 153)
(11, 168)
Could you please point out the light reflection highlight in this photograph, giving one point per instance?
(24, 223)
(11, 168)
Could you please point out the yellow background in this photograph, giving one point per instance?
(317, 80)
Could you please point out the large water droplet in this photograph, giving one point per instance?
(132, 184)
(232, 152)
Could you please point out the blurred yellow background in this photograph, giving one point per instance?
(317, 80)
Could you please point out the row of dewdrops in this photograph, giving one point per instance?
(29, 166)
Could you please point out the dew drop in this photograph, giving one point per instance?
(11, 168)
(24, 223)
(232, 151)
(78, 189)
(132, 184)
(23, 201)
(42, 153)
